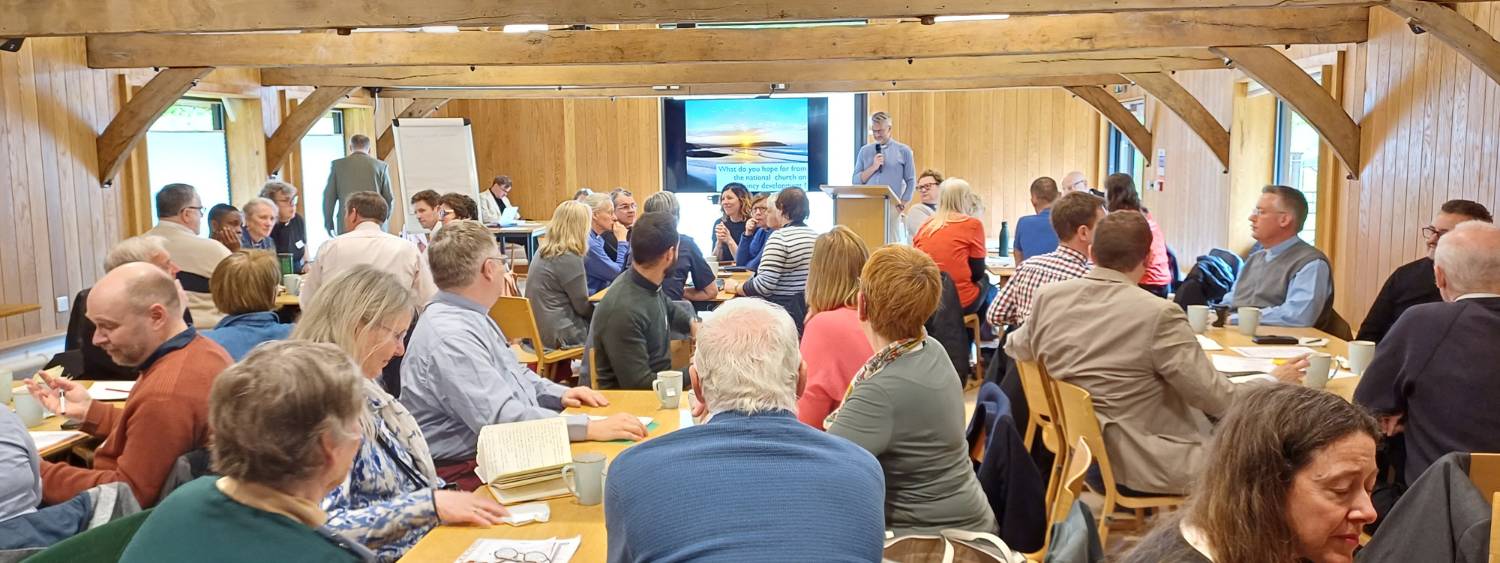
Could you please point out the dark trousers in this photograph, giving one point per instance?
(459, 473)
(1158, 290)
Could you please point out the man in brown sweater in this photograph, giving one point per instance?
(138, 311)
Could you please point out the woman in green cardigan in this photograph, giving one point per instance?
(285, 424)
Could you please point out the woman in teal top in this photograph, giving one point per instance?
(285, 422)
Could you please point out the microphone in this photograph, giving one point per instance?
(878, 148)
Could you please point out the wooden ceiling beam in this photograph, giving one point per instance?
(1116, 113)
(946, 68)
(1015, 36)
(144, 108)
(738, 89)
(1178, 99)
(33, 18)
(419, 107)
(1293, 85)
(1454, 30)
(295, 126)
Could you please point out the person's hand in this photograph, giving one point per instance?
(722, 233)
(458, 507)
(77, 397)
(583, 397)
(1392, 424)
(619, 426)
(751, 224)
(228, 237)
(879, 161)
(1292, 371)
(731, 285)
(621, 233)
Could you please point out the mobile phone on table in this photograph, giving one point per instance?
(1271, 339)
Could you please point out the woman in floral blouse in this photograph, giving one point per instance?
(392, 496)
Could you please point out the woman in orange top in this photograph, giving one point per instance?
(1120, 193)
(833, 344)
(954, 238)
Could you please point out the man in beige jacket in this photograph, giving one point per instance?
(358, 172)
(179, 217)
(1153, 387)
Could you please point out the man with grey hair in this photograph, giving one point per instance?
(260, 218)
(290, 232)
(366, 243)
(885, 161)
(814, 496)
(81, 359)
(1288, 279)
(358, 172)
(1075, 181)
(179, 218)
(1434, 374)
(459, 373)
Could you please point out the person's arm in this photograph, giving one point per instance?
(909, 176)
(383, 183)
(380, 524)
(1383, 388)
(704, 286)
(750, 246)
(421, 279)
(478, 393)
(865, 419)
(1018, 344)
(1305, 297)
(1002, 309)
(624, 343)
(862, 171)
(1382, 313)
(598, 264)
(1179, 360)
(157, 433)
(576, 285)
(767, 277)
(330, 199)
(19, 485)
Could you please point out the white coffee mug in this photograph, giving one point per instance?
(1318, 367)
(1198, 318)
(29, 409)
(1249, 319)
(668, 387)
(1361, 352)
(585, 478)
(293, 283)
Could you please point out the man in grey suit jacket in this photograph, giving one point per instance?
(358, 172)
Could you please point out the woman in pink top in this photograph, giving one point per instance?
(833, 344)
(1119, 193)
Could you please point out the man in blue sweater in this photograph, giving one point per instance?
(685, 496)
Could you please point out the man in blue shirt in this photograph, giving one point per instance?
(886, 162)
(685, 496)
(1034, 233)
(600, 265)
(1288, 279)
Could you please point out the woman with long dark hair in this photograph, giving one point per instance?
(1120, 193)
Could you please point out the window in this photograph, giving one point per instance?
(187, 145)
(1123, 156)
(322, 145)
(1297, 150)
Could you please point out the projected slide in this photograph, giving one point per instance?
(759, 143)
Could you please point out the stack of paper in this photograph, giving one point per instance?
(550, 550)
(1241, 365)
(523, 461)
(111, 390)
(47, 438)
(1273, 352)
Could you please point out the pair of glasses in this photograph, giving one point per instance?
(510, 555)
(1433, 232)
(926, 186)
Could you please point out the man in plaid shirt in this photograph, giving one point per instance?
(1073, 217)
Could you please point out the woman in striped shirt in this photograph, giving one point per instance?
(784, 263)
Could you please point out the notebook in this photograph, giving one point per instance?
(523, 461)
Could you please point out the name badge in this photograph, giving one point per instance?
(300, 244)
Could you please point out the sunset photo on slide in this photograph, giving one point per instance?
(744, 131)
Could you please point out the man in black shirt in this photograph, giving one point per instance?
(1413, 284)
(290, 231)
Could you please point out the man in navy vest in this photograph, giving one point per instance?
(1289, 280)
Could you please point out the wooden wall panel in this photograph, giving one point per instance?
(1193, 207)
(998, 140)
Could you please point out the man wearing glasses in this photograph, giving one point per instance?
(886, 162)
(1289, 280)
(290, 231)
(1414, 283)
(179, 220)
(927, 193)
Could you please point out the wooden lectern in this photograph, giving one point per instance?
(870, 211)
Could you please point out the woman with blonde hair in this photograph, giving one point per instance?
(556, 283)
(392, 496)
(833, 344)
(244, 287)
(955, 240)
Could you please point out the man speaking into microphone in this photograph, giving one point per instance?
(886, 162)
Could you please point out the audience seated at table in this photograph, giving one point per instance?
(459, 374)
(179, 215)
(1433, 379)
(556, 283)
(609, 250)
(1151, 382)
(954, 238)
(392, 497)
(781, 276)
(226, 224)
(1413, 283)
(926, 203)
(244, 287)
(276, 456)
(1287, 477)
(365, 242)
(632, 326)
(1034, 234)
(833, 341)
(95, 363)
(1121, 195)
(290, 232)
(494, 201)
(1073, 217)
(260, 219)
(690, 262)
(752, 483)
(1287, 278)
(455, 206)
(906, 406)
(756, 233)
(729, 228)
(137, 310)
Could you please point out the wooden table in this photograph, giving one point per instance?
(723, 296)
(445, 543)
(528, 230)
(288, 300)
(55, 423)
(9, 310)
(1230, 337)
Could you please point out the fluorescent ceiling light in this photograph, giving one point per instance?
(524, 27)
(979, 17)
(440, 29)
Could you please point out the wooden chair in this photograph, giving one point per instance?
(1070, 486)
(593, 373)
(1495, 528)
(1081, 423)
(513, 314)
(971, 322)
(1484, 471)
(1040, 416)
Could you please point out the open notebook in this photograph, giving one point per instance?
(523, 461)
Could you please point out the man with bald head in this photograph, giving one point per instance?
(1433, 378)
(137, 311)
(1075, 181)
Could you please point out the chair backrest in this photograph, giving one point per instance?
(513, 314)
(593, 379)
(1035, 388)
(102, 544)
(1484, 471)
(1081, 424)
(1495, 528)
(1079, 460)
